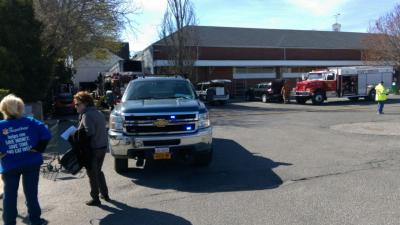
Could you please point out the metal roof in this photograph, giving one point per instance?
(274, 38)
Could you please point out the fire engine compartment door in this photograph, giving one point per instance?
(387, 78)
(349, 85)
(373, 79)
(362, 85)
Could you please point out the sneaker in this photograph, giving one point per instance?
(93, 202)
(106, 198)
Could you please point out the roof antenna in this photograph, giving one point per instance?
(336, 26)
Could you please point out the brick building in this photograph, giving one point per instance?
(248, 56)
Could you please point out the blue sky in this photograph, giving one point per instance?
(355, 15)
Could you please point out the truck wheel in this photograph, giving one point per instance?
(301, 100)
(203, 159)
(120, 165)
(371, 95)
(264, 98)
(318, 98)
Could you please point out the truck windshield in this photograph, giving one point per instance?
(160, 89)
(315, 76)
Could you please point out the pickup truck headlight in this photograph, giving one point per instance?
(204, 120)
(116, 123)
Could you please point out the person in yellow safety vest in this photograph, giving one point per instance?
(380, 96)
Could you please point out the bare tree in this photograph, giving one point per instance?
(178, 36)
(77, 27)
(383, 45)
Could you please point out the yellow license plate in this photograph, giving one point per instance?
(161, 153)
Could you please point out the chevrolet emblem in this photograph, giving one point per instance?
(161, 123)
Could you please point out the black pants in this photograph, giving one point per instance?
(96, 176)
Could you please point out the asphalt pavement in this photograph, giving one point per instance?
(337, 163)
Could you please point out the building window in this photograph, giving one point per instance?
(254, 70)
(298, 69)
(241, 70)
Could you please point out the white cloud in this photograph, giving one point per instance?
(318, 7)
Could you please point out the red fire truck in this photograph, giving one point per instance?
(342, 82)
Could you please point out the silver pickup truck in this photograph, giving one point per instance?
(160, 118)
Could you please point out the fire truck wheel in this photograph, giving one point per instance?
(318, 98)
(371, 95)
(264, 98)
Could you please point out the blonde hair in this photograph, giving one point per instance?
(12, 107)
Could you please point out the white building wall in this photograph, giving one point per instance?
(88, 67)
(148, 62)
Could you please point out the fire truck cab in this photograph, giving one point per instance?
(342, 82)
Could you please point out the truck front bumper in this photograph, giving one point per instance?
(122, 146)
(301, 94)
(220, 98)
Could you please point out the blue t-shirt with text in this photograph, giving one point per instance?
(17, 138)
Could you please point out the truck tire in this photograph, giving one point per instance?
(318, 98)
(203, 159)
(120, 165)
(264, 98)
(301, 100)
(371, 95)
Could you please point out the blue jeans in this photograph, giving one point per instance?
(30, 182)
(381, 104)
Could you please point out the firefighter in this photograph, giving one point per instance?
(285, 92)
(380, 97)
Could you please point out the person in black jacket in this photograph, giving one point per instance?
(93, 123)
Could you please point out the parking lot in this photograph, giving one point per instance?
(337, 163)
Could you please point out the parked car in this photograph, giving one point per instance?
(214, 91)
(64, 104)
(266, 92)
(160, 118)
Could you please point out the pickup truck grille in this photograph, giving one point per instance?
(165, 117)
(170, 124)
(154, 129)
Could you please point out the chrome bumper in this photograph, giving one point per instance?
(120, 144)
(220, 98)
(301, 94)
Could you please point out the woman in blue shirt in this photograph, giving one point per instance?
(22, 141)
